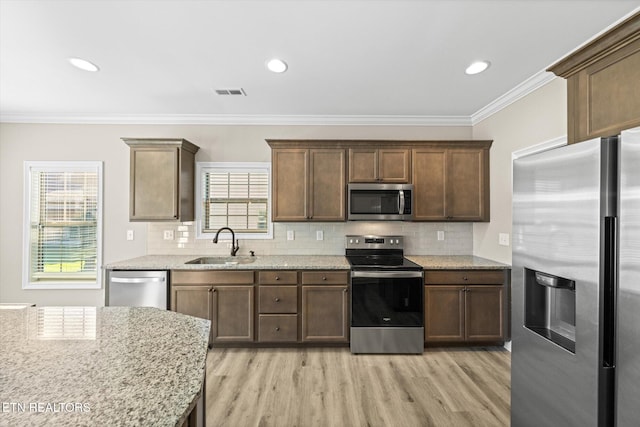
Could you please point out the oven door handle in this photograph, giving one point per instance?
(387, 274)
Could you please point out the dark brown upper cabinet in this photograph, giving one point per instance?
(379, 165)
(603, 83)
(308, 184)
(162, 179)
(451, 183)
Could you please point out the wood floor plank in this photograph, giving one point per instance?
(331, 387)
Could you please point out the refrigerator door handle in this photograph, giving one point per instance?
(610, 273)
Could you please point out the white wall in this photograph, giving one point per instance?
(20, 142)
(536, 118)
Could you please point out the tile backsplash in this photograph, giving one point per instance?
(420, 238)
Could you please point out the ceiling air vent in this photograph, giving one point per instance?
(238, 91)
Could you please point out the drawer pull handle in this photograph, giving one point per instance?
(276, 299)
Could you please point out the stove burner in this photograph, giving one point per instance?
(378, 253)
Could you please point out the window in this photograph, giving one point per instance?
(63, 225)
(234, 195)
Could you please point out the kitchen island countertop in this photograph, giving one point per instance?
(91, 366)
(299, 262)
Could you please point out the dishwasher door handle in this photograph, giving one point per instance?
(136, 279)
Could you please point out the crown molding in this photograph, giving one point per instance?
(523, 89)
(224, 119)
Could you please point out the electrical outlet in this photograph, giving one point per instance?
(290, 235)
(168, 234)
(503, 239)
(129, 234)
(319, 235)
(440, 235)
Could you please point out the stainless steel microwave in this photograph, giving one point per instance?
(380, 202)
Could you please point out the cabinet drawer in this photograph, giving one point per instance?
(278, 327)
(464, 277)
(284, 277)
(212, 277)
(325, 277)
(278, 299)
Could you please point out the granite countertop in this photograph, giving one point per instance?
(298, 262)
(267, 262)
(454, 262)
(100, 366)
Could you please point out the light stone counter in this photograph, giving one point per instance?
(100, 366)
(269, 262)
(456, 262)
(299, 262)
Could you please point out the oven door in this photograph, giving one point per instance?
(387, 299)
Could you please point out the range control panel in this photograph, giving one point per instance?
(374, 242)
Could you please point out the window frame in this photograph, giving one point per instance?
(203, 167)
(60, 166)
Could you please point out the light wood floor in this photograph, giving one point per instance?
(332, 387)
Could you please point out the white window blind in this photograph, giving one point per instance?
(64, 221)
(64, 323)
(236, 196)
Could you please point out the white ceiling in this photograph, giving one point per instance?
(349, 60)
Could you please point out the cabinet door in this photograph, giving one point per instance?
(328, 186)
(363, 165)
(467, 185)
(194, 301)
(290, 174)
(325, 313)
(484, 313)
(444, 313)
(154, 183)
(394, 165)
(233, 313)
(429, 169)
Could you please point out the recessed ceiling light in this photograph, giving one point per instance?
(277, 65)
(83, 64)
(477, 67)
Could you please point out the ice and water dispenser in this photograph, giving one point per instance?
(550, 307)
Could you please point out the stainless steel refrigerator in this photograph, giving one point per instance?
(576, 285)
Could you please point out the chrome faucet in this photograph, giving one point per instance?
(234, 243)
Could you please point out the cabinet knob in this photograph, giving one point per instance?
(345, 290)
(276, 299)
(324, 277)
(464, 278)
(211, 290)
(277, 328)
(277, 277)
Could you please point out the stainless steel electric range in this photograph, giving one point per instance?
(387, 296)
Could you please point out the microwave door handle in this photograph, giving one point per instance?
(401, 203)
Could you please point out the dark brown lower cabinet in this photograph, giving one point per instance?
(233, 314)
(193, 300)
(460, 307)
(325, 313)
(224, 298)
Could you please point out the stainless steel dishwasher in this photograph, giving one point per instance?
(137, 289)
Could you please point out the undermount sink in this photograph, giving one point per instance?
(223, 260)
